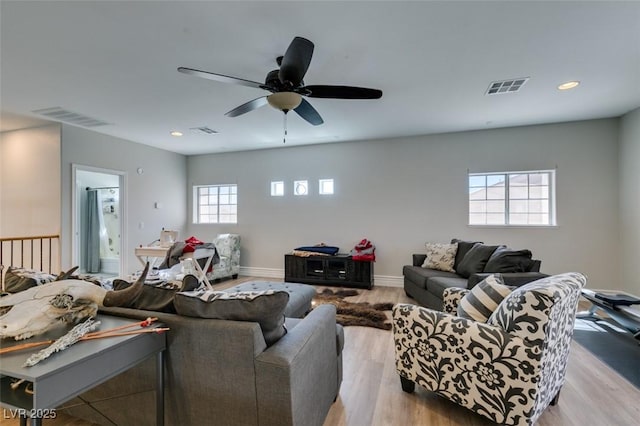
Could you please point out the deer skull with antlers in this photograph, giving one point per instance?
(38, 309)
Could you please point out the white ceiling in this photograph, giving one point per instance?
(116, 62)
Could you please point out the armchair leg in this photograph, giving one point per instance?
(407, 385)
(555, 399)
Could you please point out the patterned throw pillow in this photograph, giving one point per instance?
(440, 257)
(483, 299)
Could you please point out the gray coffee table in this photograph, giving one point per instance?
(75, 370)
(618, 313)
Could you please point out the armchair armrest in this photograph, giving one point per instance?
(514, 279)
(471, 363)
(418, 259)
(451, 297)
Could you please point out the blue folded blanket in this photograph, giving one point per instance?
(319, 249)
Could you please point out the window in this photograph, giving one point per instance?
(277, 189)
(325, 186)
(512, 198)
(300, 187)
(215, 204)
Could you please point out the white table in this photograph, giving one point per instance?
(152, 254)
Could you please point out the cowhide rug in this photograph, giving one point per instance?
(352, 313)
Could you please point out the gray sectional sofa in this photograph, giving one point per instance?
(223, 372)
(426, 285)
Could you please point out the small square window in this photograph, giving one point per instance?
(301, 187)
(277, 189)
(325, 186)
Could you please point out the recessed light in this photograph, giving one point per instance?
(568, 85)
(176, 133)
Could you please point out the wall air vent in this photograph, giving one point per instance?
(66, 116)
(501, 87)
(204, 129)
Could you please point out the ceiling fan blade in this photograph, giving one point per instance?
(309, 113)
(249, 106)
(220, 77)
(295, 61)
(343, 92)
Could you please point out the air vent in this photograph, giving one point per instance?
(204, 129)
(506, 86)
(60, 114)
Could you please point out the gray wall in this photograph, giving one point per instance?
(630, 201)
(163, 181)
(401, 193)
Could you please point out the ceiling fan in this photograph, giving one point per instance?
(286, 85)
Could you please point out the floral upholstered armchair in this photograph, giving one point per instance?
(228, 247)
(509, 368)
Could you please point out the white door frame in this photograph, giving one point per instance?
(75, 199)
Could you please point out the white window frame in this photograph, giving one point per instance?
(297, 183)
(228, 201)
(509, 188)
(277, 188)
(322, 190)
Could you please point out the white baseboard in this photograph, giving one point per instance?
(381, 280)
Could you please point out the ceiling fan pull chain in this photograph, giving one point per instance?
(284, 137)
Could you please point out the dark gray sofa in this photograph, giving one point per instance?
(222, 372)
(427, 285)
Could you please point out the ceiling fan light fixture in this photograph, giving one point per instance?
(568, 85)
(284, 101)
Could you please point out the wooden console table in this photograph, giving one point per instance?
(75, 370)
(339, 270)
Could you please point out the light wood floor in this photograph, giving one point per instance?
(593, 394)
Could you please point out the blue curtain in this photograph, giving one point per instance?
(92, 245)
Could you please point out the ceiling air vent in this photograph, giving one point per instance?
(204, 129)
(70, 117)
(501, 87)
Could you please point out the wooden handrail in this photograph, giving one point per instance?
(37, 237)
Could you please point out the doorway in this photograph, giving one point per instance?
(98, 220)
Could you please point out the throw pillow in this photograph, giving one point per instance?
(475, 260)
(506, 260)
(483, 299)
(463, 248)
(440, 256)
(264, 307)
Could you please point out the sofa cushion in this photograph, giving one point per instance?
(475, 259)
(440, 256)
(436, 285)
(419, 275)
(483, 299)
(264, 307)
(506, 260)
(463, 248)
